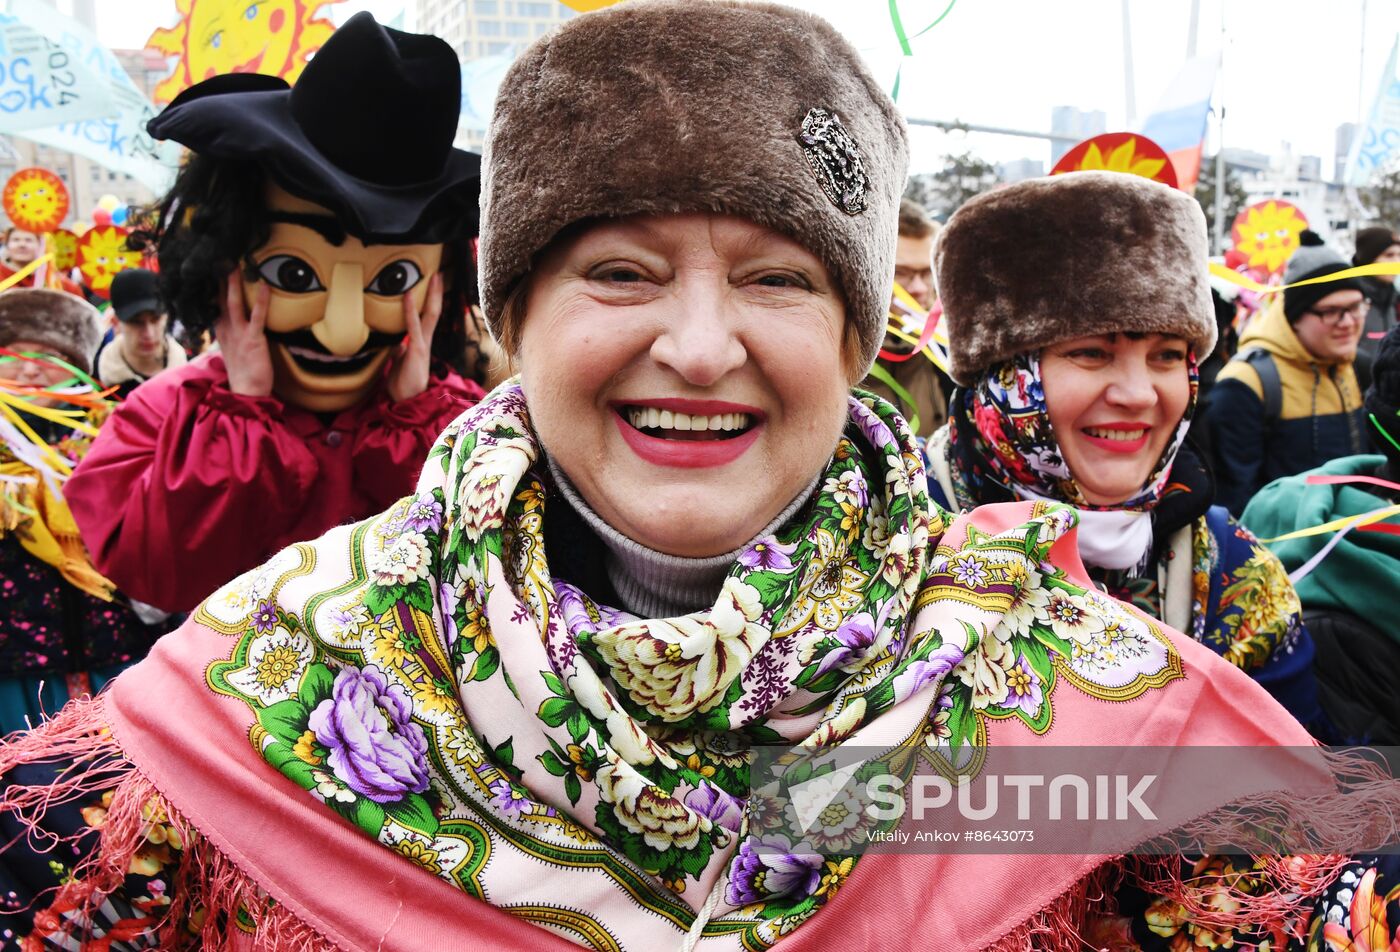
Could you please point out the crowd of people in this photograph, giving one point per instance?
(434, 538)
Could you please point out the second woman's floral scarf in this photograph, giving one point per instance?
(424, 675)
(1001, 432)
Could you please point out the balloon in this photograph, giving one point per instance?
(120, 215)
(100, 216)
(108, 202)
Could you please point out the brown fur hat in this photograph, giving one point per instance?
(665, 106)
(1071, 255)
(58, 319)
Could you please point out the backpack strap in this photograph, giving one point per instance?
(1263, 363)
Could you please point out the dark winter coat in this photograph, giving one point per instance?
(1320, 420)
(1385, 299)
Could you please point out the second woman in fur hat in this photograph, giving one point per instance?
(1077, 357)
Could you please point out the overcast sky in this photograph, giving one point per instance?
(1292, 68)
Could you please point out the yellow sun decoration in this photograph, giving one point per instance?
(1123, 158)
(213, 37)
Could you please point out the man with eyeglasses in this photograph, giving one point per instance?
(925, 389)
(1289, 400)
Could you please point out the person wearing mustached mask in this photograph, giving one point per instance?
(322, 231)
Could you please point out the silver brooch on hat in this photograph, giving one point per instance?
(835, 158)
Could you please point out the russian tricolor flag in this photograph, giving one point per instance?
(1178, 123)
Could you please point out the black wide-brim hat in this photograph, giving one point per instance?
(366, 131)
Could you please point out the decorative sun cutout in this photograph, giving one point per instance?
(213, 37)
(36, 200)
(64, 245)
(102, 252)
(1119, 152)
(1266, 234)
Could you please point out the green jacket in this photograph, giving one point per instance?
(1360, 575)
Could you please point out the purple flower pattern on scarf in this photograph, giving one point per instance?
(507, 798)
(725, 810)
(874, 429)
(424, 515)
(766, 553)
(769, 866)
(853, 638)
(375, 747)
(922, 673)
(264, 617)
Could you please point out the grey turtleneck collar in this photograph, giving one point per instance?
(652, 584)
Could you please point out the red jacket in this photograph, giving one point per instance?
(189, 484)
(60, 282)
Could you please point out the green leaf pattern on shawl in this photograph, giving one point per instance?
(424, 675)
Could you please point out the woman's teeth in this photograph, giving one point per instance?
(670, 422)
(1123, 436)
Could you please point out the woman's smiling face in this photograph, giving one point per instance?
(687, 372)
(1115, 401)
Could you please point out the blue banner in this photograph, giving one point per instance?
(1378, 141)
(107, 121)
(41, 83)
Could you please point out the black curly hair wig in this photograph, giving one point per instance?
(215, 216)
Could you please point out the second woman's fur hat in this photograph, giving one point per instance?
(1083, 253)
(56, 319)
(661, 106)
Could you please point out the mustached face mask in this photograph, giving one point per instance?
(336, 310)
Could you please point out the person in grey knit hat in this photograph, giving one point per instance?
(1314, 259)
(1289, 400)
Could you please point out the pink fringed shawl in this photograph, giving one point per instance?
(251, 836)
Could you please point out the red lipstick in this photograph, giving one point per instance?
(688, 454)
(1125, 447)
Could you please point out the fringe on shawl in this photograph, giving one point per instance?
(1059, 926)
(209, 894)
(1276, 885)
(1296, 847)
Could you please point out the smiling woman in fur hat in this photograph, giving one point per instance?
(1077, 366)
(517, 709)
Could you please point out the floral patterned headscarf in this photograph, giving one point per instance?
(1001, 432)
(425, 675)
